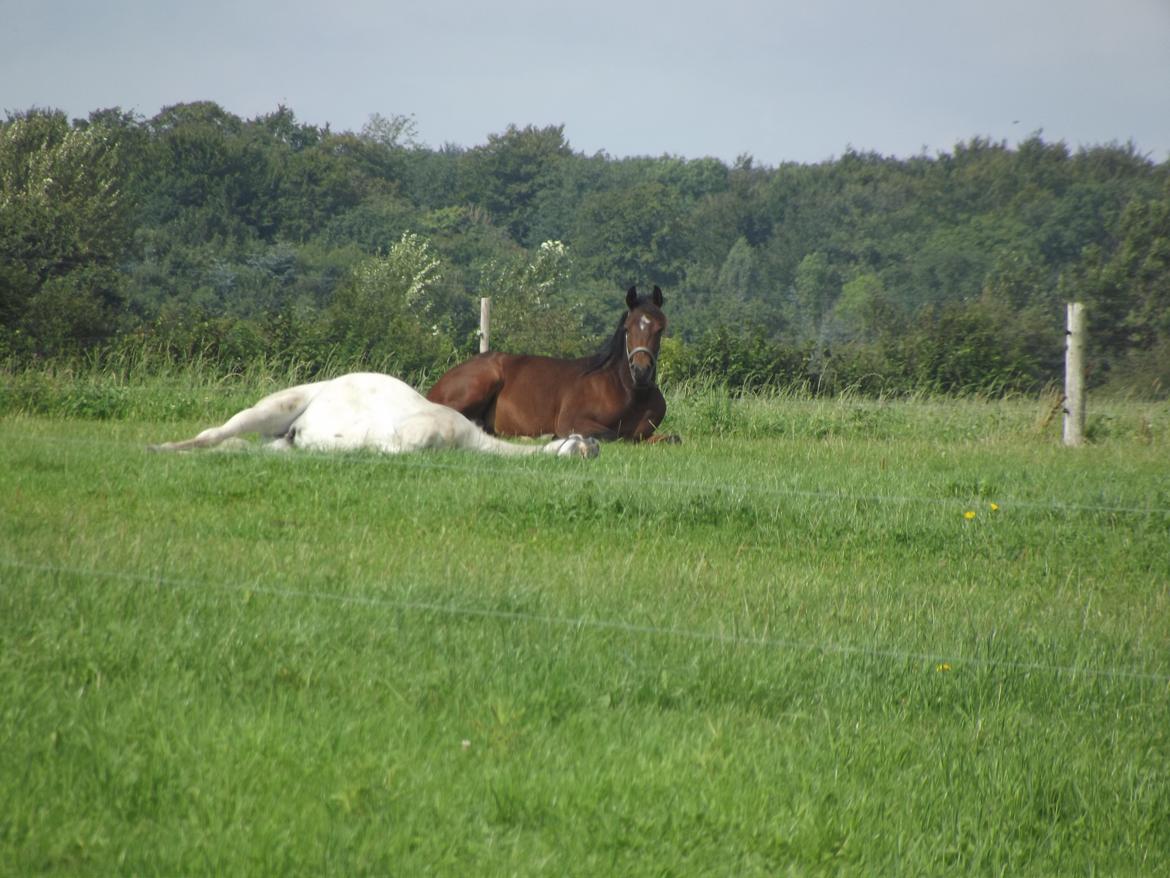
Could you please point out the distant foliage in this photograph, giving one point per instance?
(203, 235)
(64, 229)
(531, 308)
(389, 309)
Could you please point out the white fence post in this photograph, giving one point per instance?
(1074, 376)
(485, 319)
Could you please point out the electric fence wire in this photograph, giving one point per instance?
(939, 658)
(519, 467)
(420, 464)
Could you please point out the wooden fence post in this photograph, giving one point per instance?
(1074, 376)
(485, 319)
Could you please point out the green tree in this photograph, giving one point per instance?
(816, 288)
(507, 175)
(64, 229)
(739, 278)
(396, 132)
(1129, 295)
(531, 310)
(861, 312)
(250, 229)
(634, 235)
(389, 311)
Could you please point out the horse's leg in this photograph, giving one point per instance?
(587, 427)
(642, 431)
(443, 427)
(574, 445)
(571, 418)
(271, 416)
(645, 429)
(648, 421)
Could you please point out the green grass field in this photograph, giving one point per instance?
(819, 637)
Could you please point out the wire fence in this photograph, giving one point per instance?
(593, 477)
(520, 466)
(940, 658)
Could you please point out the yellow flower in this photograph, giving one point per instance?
(995, 507)
(943, 668)
(969, 514)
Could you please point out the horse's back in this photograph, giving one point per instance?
(472, 385)
(527, 394)
(476, 387)
(536, 393)
(510, 394)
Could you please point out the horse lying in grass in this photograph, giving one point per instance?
(365, 410)
(610, 395)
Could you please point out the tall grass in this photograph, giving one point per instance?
(146, 384)
(802, 642)
(709, 408)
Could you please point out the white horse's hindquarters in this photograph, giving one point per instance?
(356, 411)
(381, 413)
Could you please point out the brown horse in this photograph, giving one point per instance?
(610, 395)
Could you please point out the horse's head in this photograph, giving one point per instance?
(644, 324)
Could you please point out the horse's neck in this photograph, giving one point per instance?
(632, 396)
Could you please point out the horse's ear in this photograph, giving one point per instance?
(631, 297)
(658, 296)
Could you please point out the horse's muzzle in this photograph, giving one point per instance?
(642, 368)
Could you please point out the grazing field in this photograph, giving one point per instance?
(839, 637)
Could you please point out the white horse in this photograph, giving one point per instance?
(364, 410)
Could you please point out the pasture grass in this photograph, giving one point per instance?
(784, 647)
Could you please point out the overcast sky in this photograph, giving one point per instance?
(782, 80)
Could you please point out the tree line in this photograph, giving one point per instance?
(196, 233)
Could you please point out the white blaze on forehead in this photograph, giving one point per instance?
(644, 322)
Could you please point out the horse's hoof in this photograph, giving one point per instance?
(576, 445)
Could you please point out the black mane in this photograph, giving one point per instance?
(613, 349)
